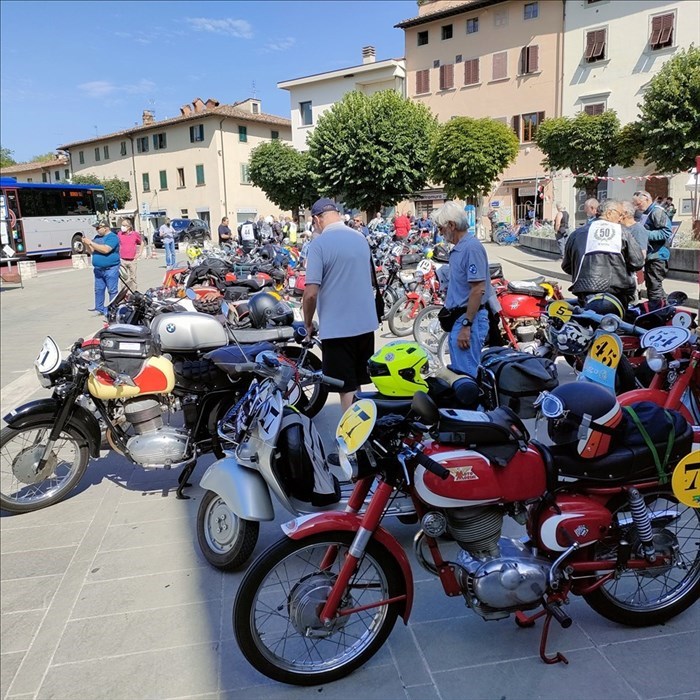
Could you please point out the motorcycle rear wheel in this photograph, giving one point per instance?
(402, 315)
(641, 597)
(310, 397)
(426, 328)
(275, 614)
(21, 448)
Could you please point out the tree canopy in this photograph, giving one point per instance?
(43, 157)
(372, 150)
(282, 173)
(116, 191)
(6, 158)
(669, 121)
(469, 154)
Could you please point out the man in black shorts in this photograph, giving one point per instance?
(339, 283)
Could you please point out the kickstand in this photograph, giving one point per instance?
(182, 481)
(550, 610)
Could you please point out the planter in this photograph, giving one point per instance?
(27, 269)
(80, 262)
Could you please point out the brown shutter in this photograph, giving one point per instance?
(422, 81)
(500, 65)
(590, 45)
(599, 48)
(516, 126)
(666, 29)
(656, 27)
(522, 63)
(533, 59)
(447, 76)
(471, 71)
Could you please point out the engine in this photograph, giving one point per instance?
(154, 443)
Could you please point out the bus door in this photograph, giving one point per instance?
(11, 230)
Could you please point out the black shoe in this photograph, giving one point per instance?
(334, 459)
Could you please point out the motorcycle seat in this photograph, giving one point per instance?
(261, 335)
(531, 288)
(224, 358)
(621, 464)
(251, 285)
(386, 405)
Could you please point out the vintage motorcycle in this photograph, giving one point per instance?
(322, 601)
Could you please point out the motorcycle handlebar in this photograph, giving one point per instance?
(432, 466)
(331, 381)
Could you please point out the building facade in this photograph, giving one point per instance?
(53, 171)
(312, 95)
(612, 50)
(491, 58)
(194, 165)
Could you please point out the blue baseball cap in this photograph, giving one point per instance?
(321, 206)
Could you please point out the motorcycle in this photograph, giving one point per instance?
(322, 601)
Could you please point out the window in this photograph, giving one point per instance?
(531, 10)
(529, 60)
(306, 115)
(245, 175)
(274, 135)
(500, 65)
(525, 125)
(199, 174)
(97, 153)
(57, 175)
(447, 76)
(66, 174)
(458, 58)
(422, 81)
(105, 152)
(142, 144)
(81, 157)
(180, 177)
(159, 142)
(243, 134)
(661, 31)
(473, 25)
(122, 148)
(446, 32)
(30, 179)
(595, 45)
(422, 38)
(471, 72)
(146, 182)
(256, 108)
(44, 177)
(500, 18)
(595, 109)
(197, 133)
(163, 179)
(436, 64)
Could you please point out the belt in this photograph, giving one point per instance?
(128, 259)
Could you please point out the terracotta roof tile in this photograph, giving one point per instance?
(34, 165)
(456, 9)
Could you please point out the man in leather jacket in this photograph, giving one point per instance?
(601, 256)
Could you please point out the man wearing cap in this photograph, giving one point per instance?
(339, 284)
(104, 248)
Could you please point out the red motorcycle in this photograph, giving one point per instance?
(322, 601)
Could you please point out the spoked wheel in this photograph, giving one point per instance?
(306, 396)
(391, 296)
(443, 351)
(276, 611)
(226, 540)
(402, 315)
(640, 597)
(23, 487)
(427, 329)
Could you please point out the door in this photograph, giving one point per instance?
(11, 229)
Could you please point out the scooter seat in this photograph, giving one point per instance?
(229, 355)
(529, 287)
(261, 335)
(621, 464)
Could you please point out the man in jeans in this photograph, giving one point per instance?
(167, 236)
(129, 251)
(105, 264)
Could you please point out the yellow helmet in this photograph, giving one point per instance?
(399, 368)
(193, 251)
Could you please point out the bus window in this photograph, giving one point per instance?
(41, 202)
(78, 202)
(100, 201)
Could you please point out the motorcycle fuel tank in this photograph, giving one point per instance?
(474, 480)
(187, 332)
(521, 306)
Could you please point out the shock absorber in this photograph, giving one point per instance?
(642, 521)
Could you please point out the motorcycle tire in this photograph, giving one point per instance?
(391, 296)
(629, 599)
(402, 315)
(443, 352)
(66, 481)
(308, 403)
(285, 588)
(226, 541)
(426, 328)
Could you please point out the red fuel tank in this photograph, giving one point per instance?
(474, 480)
(521, 305)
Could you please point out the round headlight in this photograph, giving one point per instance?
(655, 360)
(609, 323)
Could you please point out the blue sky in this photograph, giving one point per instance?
(70, 70)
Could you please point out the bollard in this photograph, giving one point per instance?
(27, 269)
(80, 262)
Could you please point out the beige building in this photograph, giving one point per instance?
(491, 58)
(48, 171)
(194, 165)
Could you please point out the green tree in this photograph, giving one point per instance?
(469, 154)
(116, 190)
(282, 173)
(583, 144)
(43, 157)
(372, 150)
(669, 121)
(6, 158)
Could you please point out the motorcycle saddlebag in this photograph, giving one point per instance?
(531, 289)
(124, 347)
(519, 378)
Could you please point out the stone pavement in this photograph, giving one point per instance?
(106, 595)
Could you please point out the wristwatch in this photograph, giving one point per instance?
(466, 322)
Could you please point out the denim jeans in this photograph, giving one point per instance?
(468, 361)
(106, 278)
(169, 244)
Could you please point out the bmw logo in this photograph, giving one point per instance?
(170, 328)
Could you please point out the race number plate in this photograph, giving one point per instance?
(665, 338)
(561, 310)
(49, 357)
(425, 266)
(685, 481)
(602, 360)
(356, 425)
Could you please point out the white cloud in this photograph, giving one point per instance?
(104, 88)
(281, 45)
(230, 27)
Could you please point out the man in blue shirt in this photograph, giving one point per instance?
(105, 264)
(469, 290)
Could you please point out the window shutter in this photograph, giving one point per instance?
(516, 126)
(522, 64)
(500, 65)
(533, 59)
(656, 27)
(540, 118)
(599, 48)
(590, 45)
(666, 28)
(447, 76)
(471, 71)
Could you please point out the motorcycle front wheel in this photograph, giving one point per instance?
(226, 540)
(276, 611)
(402, 315)
(22, 488)
(427, 329)
(651, 596)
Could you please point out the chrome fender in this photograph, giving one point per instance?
(243, 490)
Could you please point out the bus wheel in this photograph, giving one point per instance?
(77, 246)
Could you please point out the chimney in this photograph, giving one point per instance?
(369, 55)
(186, 110)
(147, 117)
(210, 104)
(198, 105)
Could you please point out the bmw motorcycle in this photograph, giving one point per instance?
(322, 601)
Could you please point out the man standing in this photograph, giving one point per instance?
(657, 223)
(601, 256)
(359, 225)
(561, 227)
(402, 225)
(129, 250)
(248, 235)
(492, 216)
(590, 209)
(225, 236)
(104, 248)
(468, 292)
(339, 283)
(167, 236)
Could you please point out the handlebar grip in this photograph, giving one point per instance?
(331, 381)
(432, 466)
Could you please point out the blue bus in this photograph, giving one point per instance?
(42, 219)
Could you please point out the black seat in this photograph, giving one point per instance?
(251, 285)
(621, 464)
(530, 287)
(126, 331)
(386, 405)
(224, 358)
